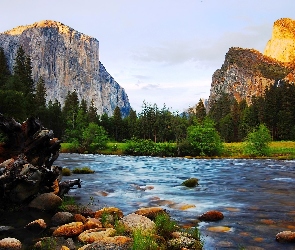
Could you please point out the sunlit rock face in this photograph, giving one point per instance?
(281, 46)
(247, 72)
(67, 60)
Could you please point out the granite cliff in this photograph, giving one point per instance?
(247, 72)
(67, 60)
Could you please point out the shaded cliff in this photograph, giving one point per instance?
(246, 72)
(67, 60)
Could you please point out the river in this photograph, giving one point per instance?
(257, 197)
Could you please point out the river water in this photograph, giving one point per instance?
(257, 197)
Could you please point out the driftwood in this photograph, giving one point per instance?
(26, 162)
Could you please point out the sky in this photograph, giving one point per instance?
(161, 52)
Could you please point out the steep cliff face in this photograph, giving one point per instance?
(246, 72)
(281, 46)
(67, 60)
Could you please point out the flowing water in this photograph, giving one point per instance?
(257, 197)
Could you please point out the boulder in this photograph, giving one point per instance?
(10, 244)
(115, 243)
(92, 235)
(134, 222)
(36, 226)
(69, 230)
(191, 182)
(115, 212)
(150, 212)
(92, 223)
(46, 202)
(212, 215)
(285, 236)
(61, 218)
(55, 243)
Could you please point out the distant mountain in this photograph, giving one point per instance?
(246, 72)
(67, 60)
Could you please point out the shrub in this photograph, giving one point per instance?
(83, 170)
(143, 241)
(165, 226)
(257, 142)
(94, 137)
(66, 172)
(205, 139)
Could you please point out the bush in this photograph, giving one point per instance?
(149, 148)
(94, 137)
(257, 142)
(143, 241)
(66, 172)
(205, 139)
(165, 226)
(83, 170)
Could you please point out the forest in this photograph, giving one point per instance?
(78, 123)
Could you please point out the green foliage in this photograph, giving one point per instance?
(144, 241)
(257, 142)
(66, 172)
(67, 201)
(94, 137)
(204, 139)
(191, 182)
(165, 225)
(82, 170)
(150, 148)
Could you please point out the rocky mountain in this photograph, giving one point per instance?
(68, 61)
(247, 72)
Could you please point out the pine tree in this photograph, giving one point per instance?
(4, 70)
(40, 95)
(200, 111)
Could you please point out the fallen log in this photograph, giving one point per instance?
(26, 162)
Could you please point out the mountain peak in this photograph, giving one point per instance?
(62, 28)
(281, 46)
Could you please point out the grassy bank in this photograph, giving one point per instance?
(278, 149)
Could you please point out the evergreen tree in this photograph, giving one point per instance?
(117, 121)
(200, 111)
(23, 81)
(4, 70)
(40, 95)
(92, 113)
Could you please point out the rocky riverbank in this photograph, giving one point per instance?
(78, 227)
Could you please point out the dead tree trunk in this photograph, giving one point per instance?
(26, 161)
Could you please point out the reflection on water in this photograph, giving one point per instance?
(256, 197)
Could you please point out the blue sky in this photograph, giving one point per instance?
(159, 51)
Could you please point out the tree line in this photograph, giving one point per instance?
(77, 122)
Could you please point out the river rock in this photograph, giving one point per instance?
(55, 243)
(46, 201)
(109, 210)
(36, 225)
(10, 244)
(61, 218)
(69, 230)
(74, 209)
(92, 223)
(92, 235)
(114, 243)
(212, 215)
(286, 236)
(134, 221)
(80, 217)
(150, 212)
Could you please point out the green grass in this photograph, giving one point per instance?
(278, 149)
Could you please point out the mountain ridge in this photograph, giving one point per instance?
(247, 72)
(67, 60)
